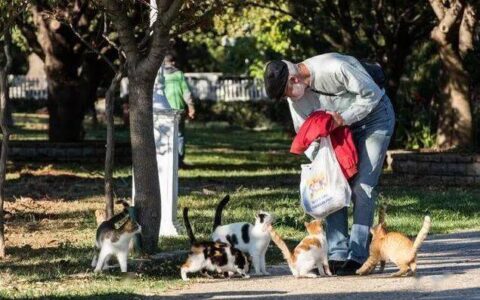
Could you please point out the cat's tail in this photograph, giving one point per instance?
(188, 227)
(218, 212)
(382, 212)
(422, 234)
(281, 245)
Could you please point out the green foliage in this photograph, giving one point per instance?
(417, 110)
(241, 40)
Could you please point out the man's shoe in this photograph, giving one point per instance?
(349, 268)
(335, 265)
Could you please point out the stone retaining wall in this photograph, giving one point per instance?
(441, 168)
(87, 151)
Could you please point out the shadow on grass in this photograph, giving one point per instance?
(241, 166)
(59, 187)
(232, 182)
(57, 263)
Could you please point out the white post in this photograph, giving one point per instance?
(165, 124)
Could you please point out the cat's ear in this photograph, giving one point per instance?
(372, 231)
(306, 224)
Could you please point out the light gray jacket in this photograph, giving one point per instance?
(356, 94)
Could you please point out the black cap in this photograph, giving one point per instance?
(275, 78)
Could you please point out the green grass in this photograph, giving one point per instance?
(51, 235)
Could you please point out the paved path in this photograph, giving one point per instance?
(448, 268)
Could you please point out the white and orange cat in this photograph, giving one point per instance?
(394, 247)
(310, 253)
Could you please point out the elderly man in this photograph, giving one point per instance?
(340, 85)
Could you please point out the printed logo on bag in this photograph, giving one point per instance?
(316, 185)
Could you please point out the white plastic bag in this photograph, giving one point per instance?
(323, 187)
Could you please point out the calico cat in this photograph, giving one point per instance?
(393, 246)
(212, 256)
(113, 238)
(309, 254)
(253, 239)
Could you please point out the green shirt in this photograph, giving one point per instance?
(176, 89)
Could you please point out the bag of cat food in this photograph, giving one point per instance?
(323, 187)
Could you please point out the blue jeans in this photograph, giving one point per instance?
(372, 136)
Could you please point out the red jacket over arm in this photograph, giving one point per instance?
(320, 124)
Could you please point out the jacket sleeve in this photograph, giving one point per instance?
(186, 94)
(367, 93)
(318, 124)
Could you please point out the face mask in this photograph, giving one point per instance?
(298, 90)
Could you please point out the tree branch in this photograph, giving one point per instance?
(28, 32)
(380, 20)
(438, 8)
(160, 35)
(329, 39)
(349, 34)
(43, 35)
(450, 17)
(467, 29)
(170, 14)
(117, 47)
(124, 28)
(78, 10)
(89, 46)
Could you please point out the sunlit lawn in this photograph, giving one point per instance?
(51, 231)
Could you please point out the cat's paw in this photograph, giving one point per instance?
(360, 272)
(246, 276)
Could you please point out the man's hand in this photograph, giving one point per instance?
(337, 119)
(191, 112)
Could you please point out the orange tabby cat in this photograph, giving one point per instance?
(393, 246)
(311, 253)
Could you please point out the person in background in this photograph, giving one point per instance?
(179, 97)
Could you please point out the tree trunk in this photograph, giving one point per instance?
(72, 74)
(142, 68)
(109, 155)
(66, 108)
(147, 189)
(455, 119)
(454, 37)
(4, 70)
